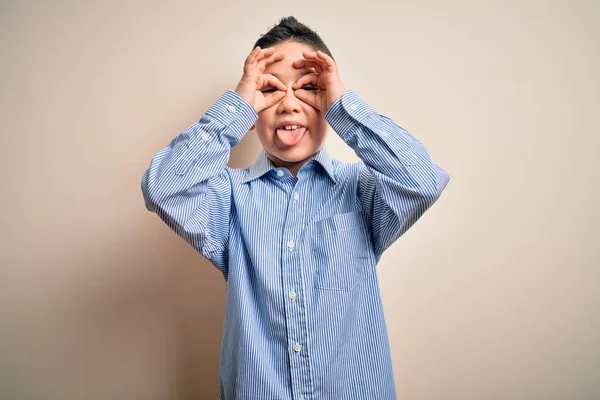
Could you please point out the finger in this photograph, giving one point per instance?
(320, 56)
(270, 80)
(309, 60)
(318, 65)
(251, 58)
(328, 60)
(265, 53)
(279, 56)
(269, 60)
(256, 51)
(256, 56)
(309, 54)
(306, 79)
(309, 98)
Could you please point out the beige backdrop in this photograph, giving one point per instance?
(493, 294)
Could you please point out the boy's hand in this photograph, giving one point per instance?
(325, 79)
(254, 79)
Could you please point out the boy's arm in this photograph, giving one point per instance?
(398, 179)
(187, 183)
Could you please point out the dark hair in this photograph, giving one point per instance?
(289, 28)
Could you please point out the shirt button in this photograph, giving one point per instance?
(293, 295)
(279, 173)
(354, 107)
(300, 397)
(291, 244)
(297, 347)
(204, 136)
(383, 133)
(296, 196)
(231, 109)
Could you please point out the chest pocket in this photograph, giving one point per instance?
(340, 251)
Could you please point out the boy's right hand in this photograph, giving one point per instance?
(254, 79)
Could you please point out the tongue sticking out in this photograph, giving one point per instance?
(290, 137)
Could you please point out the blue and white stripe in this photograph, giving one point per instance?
(303, 318)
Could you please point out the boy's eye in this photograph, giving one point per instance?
(309, 87)
(268, 90)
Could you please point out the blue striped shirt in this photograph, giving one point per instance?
(303, 316)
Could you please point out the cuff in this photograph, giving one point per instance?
(234, 112)
(346, 111)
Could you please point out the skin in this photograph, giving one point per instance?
(290, 81)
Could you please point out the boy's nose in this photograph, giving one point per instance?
(289, 103)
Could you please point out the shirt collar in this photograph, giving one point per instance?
(262, 165)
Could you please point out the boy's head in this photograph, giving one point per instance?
(293, 148)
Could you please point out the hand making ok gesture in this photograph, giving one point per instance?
(325, 78)
(254, 79)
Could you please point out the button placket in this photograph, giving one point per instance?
(295, 308)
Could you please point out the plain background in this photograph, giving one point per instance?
(493, 294)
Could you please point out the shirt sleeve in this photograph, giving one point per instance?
(188, 183)
(398, 181)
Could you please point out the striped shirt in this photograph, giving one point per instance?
(303, 316)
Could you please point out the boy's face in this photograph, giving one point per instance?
(290, 148)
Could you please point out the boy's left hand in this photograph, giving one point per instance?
(325, 78)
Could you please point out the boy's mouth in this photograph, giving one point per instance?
(290, 137)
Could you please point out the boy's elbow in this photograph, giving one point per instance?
(148, 193)
(440, 182)
(443, 178)
(434, 186)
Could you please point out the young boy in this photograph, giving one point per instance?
(297, 235)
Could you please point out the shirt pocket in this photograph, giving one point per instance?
(340, 251)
